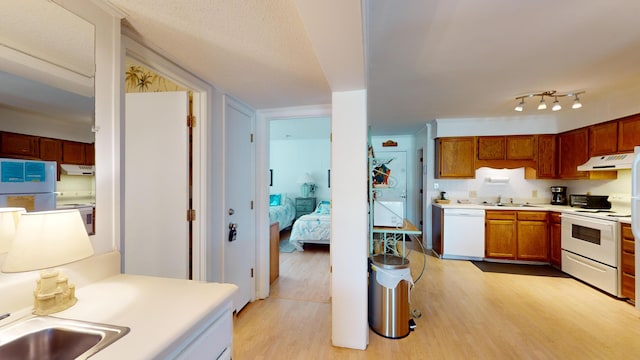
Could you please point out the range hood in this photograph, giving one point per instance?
(608, 162)
(70, 169)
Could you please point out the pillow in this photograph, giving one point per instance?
(324, 207)
(274, 199)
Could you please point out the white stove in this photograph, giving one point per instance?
(591, 243)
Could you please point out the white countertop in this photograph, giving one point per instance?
(534, 207)
(160, 311)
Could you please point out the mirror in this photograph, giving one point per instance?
(47, 66)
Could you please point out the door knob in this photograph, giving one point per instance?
(231, 211)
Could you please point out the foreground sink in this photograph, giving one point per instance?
(47, 337)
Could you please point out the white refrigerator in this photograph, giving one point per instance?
(28, 184)
(635, 213)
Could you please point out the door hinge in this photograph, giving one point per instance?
(191, 215)
(252, 272)
(251, 205)
(191, 121)
(251, 137)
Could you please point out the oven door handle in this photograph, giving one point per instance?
(581, 219)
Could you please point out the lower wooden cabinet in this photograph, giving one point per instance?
(555, 239)
(533, 241)
(516, 235)
(500, 234)
(628, 263)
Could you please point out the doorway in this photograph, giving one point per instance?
(299, 168)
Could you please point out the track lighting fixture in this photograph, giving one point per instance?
(550, 93)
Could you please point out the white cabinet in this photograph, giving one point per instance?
(211, 341)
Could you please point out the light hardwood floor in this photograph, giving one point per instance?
(466, 314)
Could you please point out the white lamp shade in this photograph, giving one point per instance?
(47, 239)
(8, 223)
(305, 179)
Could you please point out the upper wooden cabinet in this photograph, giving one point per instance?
(73, 153)
(515, 147)
(510, 152)
(455, 157)
(51, 149)
(573, 150)
(603, 139)
(492, 148)
(547, 156)
(90, 154)
(19, 145)
(628, 133)
(522, 147)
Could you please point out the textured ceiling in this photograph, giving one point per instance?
(256, 50)
(424, 59)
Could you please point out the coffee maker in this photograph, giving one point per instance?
(558, 195)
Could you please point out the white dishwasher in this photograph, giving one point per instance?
(463, 234)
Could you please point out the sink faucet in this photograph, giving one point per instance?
(499, 199)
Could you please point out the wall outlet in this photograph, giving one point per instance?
(436, 186)
(473, 194)
(534, 193)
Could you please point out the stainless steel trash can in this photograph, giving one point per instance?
(389, 306)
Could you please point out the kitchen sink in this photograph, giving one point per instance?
(509, 204)
(48, 337)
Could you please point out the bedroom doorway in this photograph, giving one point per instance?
(299, 170)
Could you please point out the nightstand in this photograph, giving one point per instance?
(305, 205)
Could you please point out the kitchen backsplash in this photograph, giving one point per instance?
(510, 183)
(76, 189)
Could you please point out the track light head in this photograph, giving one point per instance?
(556, 105)
(542, 105)
(576, 103)
(520, 105)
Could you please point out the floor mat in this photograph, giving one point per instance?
(286, 247)
(519, 269)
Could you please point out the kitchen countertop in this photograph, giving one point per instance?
(506, 206)
(532, 207)
(162, 313)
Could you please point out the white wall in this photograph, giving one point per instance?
(349, 220)
(290, 159)
(40, 125)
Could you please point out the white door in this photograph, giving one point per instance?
(156, 185)
(239, 251)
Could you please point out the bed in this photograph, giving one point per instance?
(282, 209)
(312, 228)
